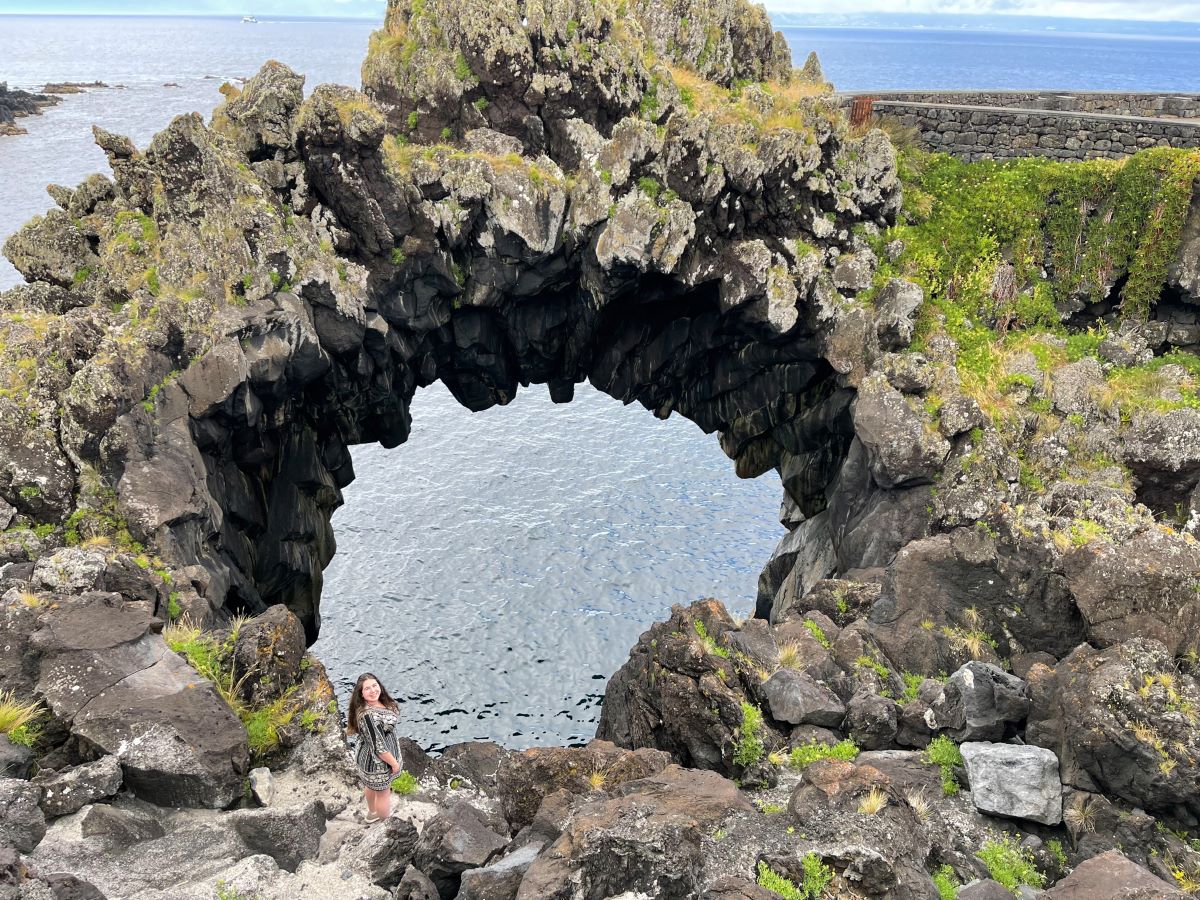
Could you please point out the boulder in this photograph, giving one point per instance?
(1143, 587)
(385, 852)
(1111, 876)
(455, 840)
(896, 304)
(526, 778)
(731, 887)
(120, 827)
(267, 654)
(500, 880)
(22, 822)
(854, 271)
(872, 720)
(288, 835)
(901, 448)
(833, 783)
(1014, 781)
(983, 889)
(477, 763)
(797, 699)
(262, 785)
(980, 702)
(674, 694)
(1118, 719)
(69, 790)
(415, 885)
(106, 671)
(646, 839)
(16, 760)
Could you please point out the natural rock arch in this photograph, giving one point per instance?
(204, 336)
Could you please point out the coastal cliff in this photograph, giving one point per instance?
(977, 383)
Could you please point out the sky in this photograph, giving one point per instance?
(1146, 10)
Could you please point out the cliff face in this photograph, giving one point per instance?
(566, 191)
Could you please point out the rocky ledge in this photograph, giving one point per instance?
(15, 104)
(977, 383)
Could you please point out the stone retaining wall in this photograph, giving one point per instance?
(1156, 106)
(975, 132)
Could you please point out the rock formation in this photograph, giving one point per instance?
(15, 104)
(988, 453)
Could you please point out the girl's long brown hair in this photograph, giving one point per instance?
(357, 702)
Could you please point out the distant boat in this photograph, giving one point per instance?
(250, 19)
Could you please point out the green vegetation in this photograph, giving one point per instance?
(944, 753)
(397, 256)
(405, 783)
(310, 720)
(816, 877)
(1055, 848)
(1010, 865)
(946, 883)
(912, 684)
(19, 718)
(709, 643)
(818, 632)
(750, 744)
(812, 751)
(875, 666)
(649, 186)
(980, 237)
(213, 661)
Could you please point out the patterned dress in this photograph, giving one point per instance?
(376, 734)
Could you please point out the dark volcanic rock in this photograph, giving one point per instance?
(105, 671)
(526, 778)
(16, 760)
(645, 839)
(289, 836)
(451, 843)
(385, 852)
(69, 790)
(15, 104)
(980, 702)
(675, 694)
(22, 823)
(1111, 876)
(1118, 721)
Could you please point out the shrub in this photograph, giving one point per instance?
(945, 882)
(649, 186)
(912, 684)
(812, 751)
(944, 753)
(1010, 865)
(709, 642)
(750, 745)
(405, 783)
(819, 633)
(16, 717)
(873, 802)
(816, 877)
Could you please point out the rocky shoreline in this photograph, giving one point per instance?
(17, 104)
(974, 652)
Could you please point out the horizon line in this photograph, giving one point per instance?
(276, 17)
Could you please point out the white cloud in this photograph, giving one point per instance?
(1187, 11)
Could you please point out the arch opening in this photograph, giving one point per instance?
(496, 569)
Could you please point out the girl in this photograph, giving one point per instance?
(373, 716)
